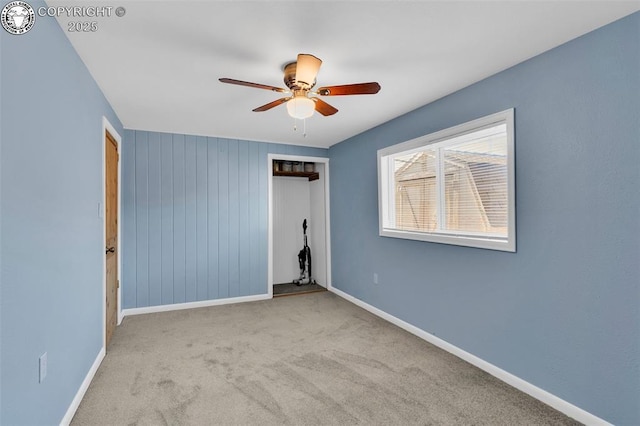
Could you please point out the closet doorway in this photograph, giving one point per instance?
(298, 189)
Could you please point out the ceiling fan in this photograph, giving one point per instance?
(300, 78)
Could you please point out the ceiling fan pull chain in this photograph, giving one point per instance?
(304, 127)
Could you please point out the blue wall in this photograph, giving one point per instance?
(51, 236)
(563, 312)
(194, 219)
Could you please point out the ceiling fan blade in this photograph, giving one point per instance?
(249, 84)
(324, 108)
(350, 89)
(270, 105)
(307, 67)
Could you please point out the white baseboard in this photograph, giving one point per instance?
(71, 411)
(559, 404)
(192, 305)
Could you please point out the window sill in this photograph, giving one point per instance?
(458, 240)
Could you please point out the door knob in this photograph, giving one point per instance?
(110, 250)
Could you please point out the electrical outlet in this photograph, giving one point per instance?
(43, 367)
(375, 278)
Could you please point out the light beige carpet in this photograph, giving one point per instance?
(313, 359)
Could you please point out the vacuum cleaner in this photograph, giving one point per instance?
(304, 260)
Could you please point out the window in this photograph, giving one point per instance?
(455, 186)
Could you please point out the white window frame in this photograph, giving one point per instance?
(386, 187)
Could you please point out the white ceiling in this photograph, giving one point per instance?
(159, 64)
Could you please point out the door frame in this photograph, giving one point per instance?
(327, 216)
(107, 127)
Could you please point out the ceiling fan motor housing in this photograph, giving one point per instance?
(290, 79)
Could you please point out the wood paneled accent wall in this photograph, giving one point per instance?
(194, 217)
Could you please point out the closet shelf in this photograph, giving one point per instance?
(310, 175)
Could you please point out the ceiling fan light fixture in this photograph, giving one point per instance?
(300, 107)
